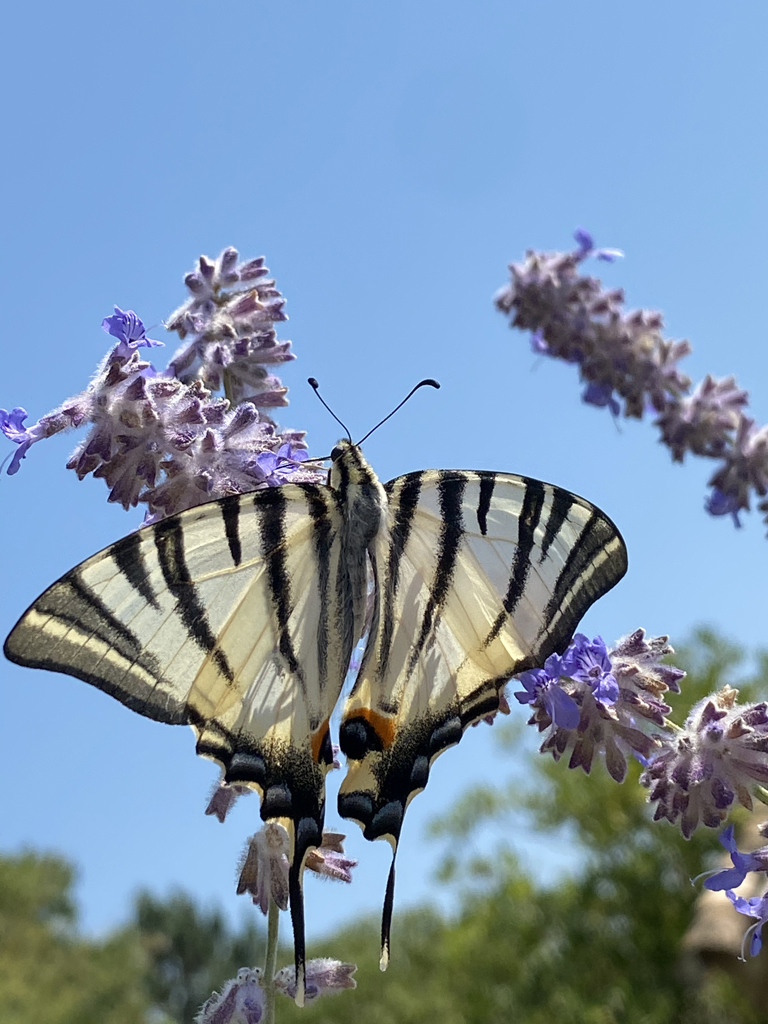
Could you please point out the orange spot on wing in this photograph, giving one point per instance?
(317, 739)
(382, 725)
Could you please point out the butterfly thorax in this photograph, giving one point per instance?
(361, 498)
(362, 502)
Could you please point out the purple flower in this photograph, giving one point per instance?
(71, 414)
(626, 363)
(622, 356)
(166, 439)
(744, 469)
(129, 331)
(718, 757)
(324, 977)
(587, 661)
(328, 859)
(617, 695)
(11, 424)
(601, 395)
(584, 241)
(587, 247)
(264, 867)
(241, 1000)
(719, 504)
(223, 799)
(278, 467)
(704, 421)
(731, 878)
(757, 907)
(542, 689)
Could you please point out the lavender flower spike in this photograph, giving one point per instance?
(167, 440)
(621, 356)
(616, 695)
(625, 361)
(718, 757)
(755, 907)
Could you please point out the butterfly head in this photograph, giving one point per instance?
(353, 480)
(348, 465)
(341, 446)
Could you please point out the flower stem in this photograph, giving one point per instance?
(270, 962)
(227, 382)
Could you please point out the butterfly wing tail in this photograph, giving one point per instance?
(296, 896)
(386, 916)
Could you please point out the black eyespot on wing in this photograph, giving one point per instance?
(357, 736)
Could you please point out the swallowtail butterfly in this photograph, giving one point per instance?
(239, 618)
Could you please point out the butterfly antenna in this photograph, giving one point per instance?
(429, 382)
(316, 388)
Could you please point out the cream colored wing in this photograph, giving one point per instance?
(234, 617)
(483, 575)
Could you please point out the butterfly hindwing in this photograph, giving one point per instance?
(226, 617)
(479, 576)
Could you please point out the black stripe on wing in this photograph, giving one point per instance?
(273, 508)
(450, 490)
(322, 541)
(584, 578)
(530, 514)
(57, 634)
(129, 559)
(230, 514)
(169, 543)
(487, 484)
(403, 511)
(562, 503)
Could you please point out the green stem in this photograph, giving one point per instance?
(227, 381)
(270, 962)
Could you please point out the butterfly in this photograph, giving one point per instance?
(239, 618)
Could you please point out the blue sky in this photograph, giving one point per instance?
(389, 161)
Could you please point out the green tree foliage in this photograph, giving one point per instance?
(48, 975)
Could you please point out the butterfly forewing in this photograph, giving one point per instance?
(226, 617)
